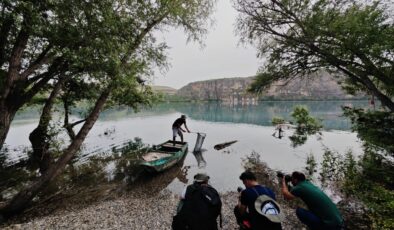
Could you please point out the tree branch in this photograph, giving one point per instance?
(42, 59)
(4, 32)
(44, 79)
(17, 51)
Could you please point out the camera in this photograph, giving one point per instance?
(287, 177)
(239, 189)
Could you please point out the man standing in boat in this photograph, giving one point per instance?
(177, 129)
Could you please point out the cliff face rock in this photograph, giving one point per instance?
(226, 89)
(164, 89)
(234, 90)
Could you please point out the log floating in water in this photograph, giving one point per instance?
(223, 145)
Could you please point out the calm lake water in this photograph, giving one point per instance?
(249, 125)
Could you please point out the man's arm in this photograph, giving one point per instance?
(241, 207)
(186, 128)
(285, 191)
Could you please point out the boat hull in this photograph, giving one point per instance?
(164, 156)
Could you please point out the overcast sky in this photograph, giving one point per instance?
(222, 56)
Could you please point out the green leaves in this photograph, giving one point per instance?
(306, 125)
(368, 179)
(277, 120)
(99, 41)
(374, 127)
(298, 37)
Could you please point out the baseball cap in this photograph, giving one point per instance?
(201, 177)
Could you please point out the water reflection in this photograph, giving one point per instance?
(279, 133)
(120, 166)
(154, 183)
(200, 159)
(329, 111)
(153, 125)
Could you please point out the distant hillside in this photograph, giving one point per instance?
(164, 89)
(226, 89)
(234, 90)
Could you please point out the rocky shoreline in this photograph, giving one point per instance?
(148, 205)
(133, 211)
(144, 206)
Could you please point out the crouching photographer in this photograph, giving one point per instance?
(322, 213)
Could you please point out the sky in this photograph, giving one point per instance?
(222, 56)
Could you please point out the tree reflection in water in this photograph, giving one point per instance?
(93, 176)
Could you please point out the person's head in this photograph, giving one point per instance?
(297, 177)
(201, 178)
(248, 179)
(183, 116)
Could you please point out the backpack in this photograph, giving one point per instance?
(200, 209)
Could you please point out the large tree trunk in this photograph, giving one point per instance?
(6, 117)
(8, 106)
(22, 199)
(39, 137)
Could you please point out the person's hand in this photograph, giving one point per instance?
(283, 181)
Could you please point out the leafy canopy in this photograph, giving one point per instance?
(347, 38)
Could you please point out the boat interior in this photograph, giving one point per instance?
(152, 156)
(167, 147)
(170, 147)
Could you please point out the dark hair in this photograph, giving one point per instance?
(298, 176)
(247, 175)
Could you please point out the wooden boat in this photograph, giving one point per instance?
(163, 156)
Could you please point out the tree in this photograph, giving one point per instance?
(116, 47)
(306, 125)
(350, 38)
(41, 41)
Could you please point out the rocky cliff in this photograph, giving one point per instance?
(226, 89)
(234, 90)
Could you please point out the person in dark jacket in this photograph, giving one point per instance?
(199, 207)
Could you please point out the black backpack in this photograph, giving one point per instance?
(201, 207)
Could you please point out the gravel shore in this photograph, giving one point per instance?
(149, 205)
(135, 210)
(144, 205)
